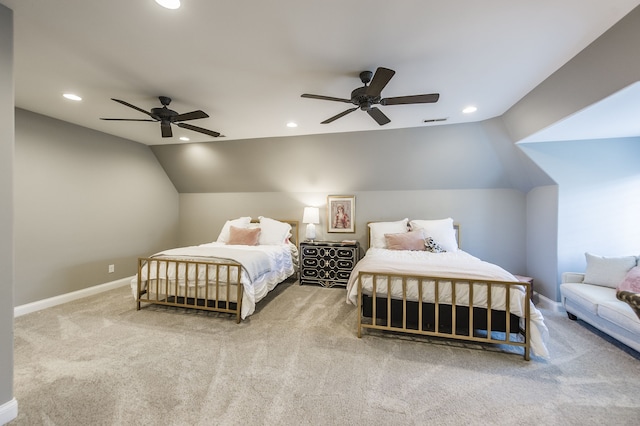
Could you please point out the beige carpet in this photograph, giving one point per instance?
(297, 361)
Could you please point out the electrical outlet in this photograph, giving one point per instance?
(112, 268)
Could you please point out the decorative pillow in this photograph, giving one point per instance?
(432, 246)
(441, 230)
(607, 271)
(379, 229)
(631, 281)
(629, 289)
(273, 232)
(413, 240)
(241, 222)
(244, 236)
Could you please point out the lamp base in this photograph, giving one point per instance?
(311, 231)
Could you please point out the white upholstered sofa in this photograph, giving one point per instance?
(591, 296)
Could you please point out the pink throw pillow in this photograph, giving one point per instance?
(244, 236)
(631, 281)
(412, 240)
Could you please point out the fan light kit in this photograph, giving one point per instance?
(167, 117)
(370, 94)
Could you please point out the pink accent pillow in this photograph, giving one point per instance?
(243, 236)
(412, 240)
(631, 281)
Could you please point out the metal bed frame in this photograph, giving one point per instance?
(438, 319)
(221, 291)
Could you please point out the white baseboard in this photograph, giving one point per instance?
(8, 411)
(546, 303)
(68, 297)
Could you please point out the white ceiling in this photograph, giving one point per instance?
(246, 62)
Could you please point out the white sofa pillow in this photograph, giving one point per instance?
(378, 229)
(607, 271)
(441, 230)
(241, 222)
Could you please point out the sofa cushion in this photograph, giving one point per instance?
(607, 271)
(589, 296)
(620, 314)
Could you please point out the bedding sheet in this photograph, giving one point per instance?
(264, 267)
(460, 265)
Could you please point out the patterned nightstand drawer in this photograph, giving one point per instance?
(327, 263)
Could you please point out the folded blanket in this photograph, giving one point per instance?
(629, 289)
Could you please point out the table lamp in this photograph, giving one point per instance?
(311, 216)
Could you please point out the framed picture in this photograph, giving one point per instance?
(341, 213)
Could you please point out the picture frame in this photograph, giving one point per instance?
(341, 213)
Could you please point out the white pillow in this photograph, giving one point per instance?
(607, 271)
(241, 222)
(273, 232)
(378, 229)
(441, 230)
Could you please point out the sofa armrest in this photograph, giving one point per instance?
(572, 277)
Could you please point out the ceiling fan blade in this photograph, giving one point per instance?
(132, 106)
(165, 127)
(326, 98)
(199, 129)
(379, 81)
(379, 116)
(128, 119)
(193, 115)
(415, 99)
(342, 114)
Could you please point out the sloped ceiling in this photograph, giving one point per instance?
(246, 63)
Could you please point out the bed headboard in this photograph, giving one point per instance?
(456, 227)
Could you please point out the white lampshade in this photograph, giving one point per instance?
(311, 216)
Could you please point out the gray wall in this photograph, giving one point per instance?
(599, 189)
(542, 239)
(492, 220)
(84, 200)
(6, 205)
(473, 155)
(597, 179)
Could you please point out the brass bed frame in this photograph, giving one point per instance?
(447, 320)
(221, 291)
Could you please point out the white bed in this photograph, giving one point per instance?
(436, 271)
(246, 262)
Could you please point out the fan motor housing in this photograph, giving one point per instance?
(163, 114)
(360, 98)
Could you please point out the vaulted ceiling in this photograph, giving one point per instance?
(246, 63)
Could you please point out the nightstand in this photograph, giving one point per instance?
(524, 279)
(327, 263)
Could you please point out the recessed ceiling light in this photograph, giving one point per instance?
(469, 109)
(72, 97)
(169, 4)
(184, 138)
(291, 124)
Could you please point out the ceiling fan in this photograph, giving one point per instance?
(370, 94)
(167, 117)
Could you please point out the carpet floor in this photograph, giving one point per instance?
(298, 361)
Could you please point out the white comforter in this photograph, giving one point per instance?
(448, 265)
(264, 266)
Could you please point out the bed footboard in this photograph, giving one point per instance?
(191, 284)
(450, 308)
